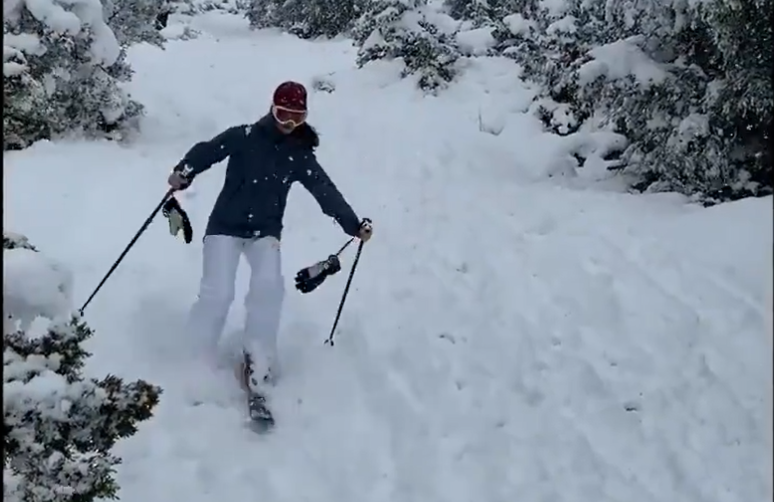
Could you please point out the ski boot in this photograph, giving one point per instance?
(257, 407)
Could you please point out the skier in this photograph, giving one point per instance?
(265, 158)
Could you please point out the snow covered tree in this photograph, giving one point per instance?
(480, 12)
(61, 68)
(305, 18)
(194, 7)
(59, 427)
(400, 29)
(688, 84)
(134, 21)
(487, 12)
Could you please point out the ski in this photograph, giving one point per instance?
(261, 417)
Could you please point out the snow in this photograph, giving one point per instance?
(70, 16)
(476, 42)
(16, 46)
(375, 39)
(564, 25)
(507, 337)
(554, 8)
(435, 15)
(11, 69)
(54, 16)
(620, 59)
(518, 25)
(24, 42)
(35, 285)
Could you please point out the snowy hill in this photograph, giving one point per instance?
(509, 336)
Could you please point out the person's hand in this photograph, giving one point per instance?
(366, 230)
(177, 181)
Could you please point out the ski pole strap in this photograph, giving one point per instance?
(329, 340)
(345, 246)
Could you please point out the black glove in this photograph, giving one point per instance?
(309, 278)
(177, 219)
(179, 181)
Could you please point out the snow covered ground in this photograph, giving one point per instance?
(508, 337)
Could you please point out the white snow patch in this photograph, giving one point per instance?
(564, 25)
(441, 20)
(554, 8)
(25, 42)
(620, 59)
(34, 285)
(173, 31)
(69, 17)
(11, 69)
(518, 25)
(476, 42)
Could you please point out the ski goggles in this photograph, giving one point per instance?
(287, 116)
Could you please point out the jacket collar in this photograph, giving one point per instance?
(267, 124)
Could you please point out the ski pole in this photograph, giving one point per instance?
(131, 244)
(346, 288)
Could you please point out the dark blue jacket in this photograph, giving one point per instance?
(263, 163)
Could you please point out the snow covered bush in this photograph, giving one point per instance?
(59, 427)
(305, 18)
(134, 21)
(483, 13)
(62, 65)
(401, 29)
(194, 7)
(478, 11)
(687, 83)
(33, 284)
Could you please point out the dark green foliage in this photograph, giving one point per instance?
(701, 125)
(134, 21)
(59, 449)
(480, 12)
(305, 18)
(392, 29)
(53, 84)
(58, 426)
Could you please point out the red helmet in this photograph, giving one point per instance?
(290, 96)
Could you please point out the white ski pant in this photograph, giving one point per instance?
(263, 303)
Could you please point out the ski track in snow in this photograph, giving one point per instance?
(506, 338)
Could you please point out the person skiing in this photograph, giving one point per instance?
(265, 159)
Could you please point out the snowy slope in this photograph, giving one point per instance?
(507, 338)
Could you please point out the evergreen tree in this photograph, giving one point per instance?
(57, 444)
(134, 21)
(480, 12)
(687, 84)
(61, 68)
(305, 18)
(392, 29)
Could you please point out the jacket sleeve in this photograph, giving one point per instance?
(316, 181)
(206, 153)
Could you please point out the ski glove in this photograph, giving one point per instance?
(179, 180)
(178, 219)
(309, 278)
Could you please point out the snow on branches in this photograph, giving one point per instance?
(62, 65)
(59, 427)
